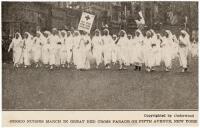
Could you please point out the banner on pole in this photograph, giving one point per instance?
(86, 22)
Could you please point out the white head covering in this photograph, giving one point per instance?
(64, 31)
(47, 32)
(139, 31)
(123, 31)
(114, 35)
(97, 30)
(54, 29)
(41, 35)
(107, 31)
(129, 35)
(29, 35)
(70, 33)
(169, 33)
(148, 33)
(20, 37)
(151, 30)
(186, 34)
(77, 32)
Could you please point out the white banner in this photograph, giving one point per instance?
(86, 22)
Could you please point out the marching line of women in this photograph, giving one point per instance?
(64, 48)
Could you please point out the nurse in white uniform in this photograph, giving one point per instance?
(69, 46)
(97, 44)
(54, 41)
(37, 48)
(138, 50)
(122, 46)
(46, 49)
(184, 45)
(28, 42)
(107, 48)
(17, 45)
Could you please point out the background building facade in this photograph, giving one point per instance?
(32, 16)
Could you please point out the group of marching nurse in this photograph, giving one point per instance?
(64, 48)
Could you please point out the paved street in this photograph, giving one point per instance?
(100, 89)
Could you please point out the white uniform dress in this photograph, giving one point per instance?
(107, 48)
(69, 46)
(76, 42)
(97, 49)
(17, 45)
(149, 58)
(37, 48)
(57, 50)
(123, 51)
(81, 53)
(114, 52)
(63, 50)
(137, 54)
(46, 51)
(157, 53)
(175, 47)
(194, 50)
(167, 53)
(88, 52)
(53, 50)
(184, 46)
(28, 42)
(129, 51)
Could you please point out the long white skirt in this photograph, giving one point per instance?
(183, 53)
(37, 52)
(63, 55)
(167, 56)
(75, 56)
(122, 51)
(149, 57)
(97, 54)
(17, 56)
(27, 56)
(69, 55)
(57, 55)
(45, 54)
(137, 55)
(114, 54)
(194, 50)
(107, 54)
(52, 56)
(81, 58)
(158, 58)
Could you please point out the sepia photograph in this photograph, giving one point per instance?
(99, 56)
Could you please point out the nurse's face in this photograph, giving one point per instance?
(25, 35)
(122, 34)
(68, 34)
(97, 33)
(76, 34)
(17, 36)
(46, 35)
(148, 35)
(167, 35)
(54, 32)
(137, 33)
(63, 34)
(158, 36)
(38, 35)
(105, 33)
